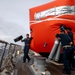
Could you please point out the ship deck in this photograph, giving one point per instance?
(52, 68)
(20, 68)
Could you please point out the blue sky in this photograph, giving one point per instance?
(14, 17)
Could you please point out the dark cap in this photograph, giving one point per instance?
(27, 34)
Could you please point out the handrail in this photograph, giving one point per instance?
(3, 51)
(12, 44)
(1, 41)
(15, 46)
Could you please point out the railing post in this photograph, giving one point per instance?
(9, 49)
(3, 55)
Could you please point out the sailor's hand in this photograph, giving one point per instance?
(21, 40)
(71, 43)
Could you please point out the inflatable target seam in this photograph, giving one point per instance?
(49, 19)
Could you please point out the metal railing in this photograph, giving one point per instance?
(7, 51)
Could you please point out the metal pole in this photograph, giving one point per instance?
(41, 63)
(3, 56)
(55, 46)
(58, 52)
(14, 49)
(9, 49)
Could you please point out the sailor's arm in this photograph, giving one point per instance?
(31, 37)
(70, 41)
(58, 36)
(22, 40)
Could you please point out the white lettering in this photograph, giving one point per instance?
(55, 11)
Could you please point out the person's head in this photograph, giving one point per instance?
(27, 35)
(63, 27)
(68, 29)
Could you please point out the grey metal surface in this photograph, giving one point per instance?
(58, 52)
(53, 51)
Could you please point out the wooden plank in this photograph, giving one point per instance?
(55, 63)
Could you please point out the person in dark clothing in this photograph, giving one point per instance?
(70, 33)
(27, 42)
(72, 60)
(66, 44)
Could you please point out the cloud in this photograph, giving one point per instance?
(14, 17)
(9, 31)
